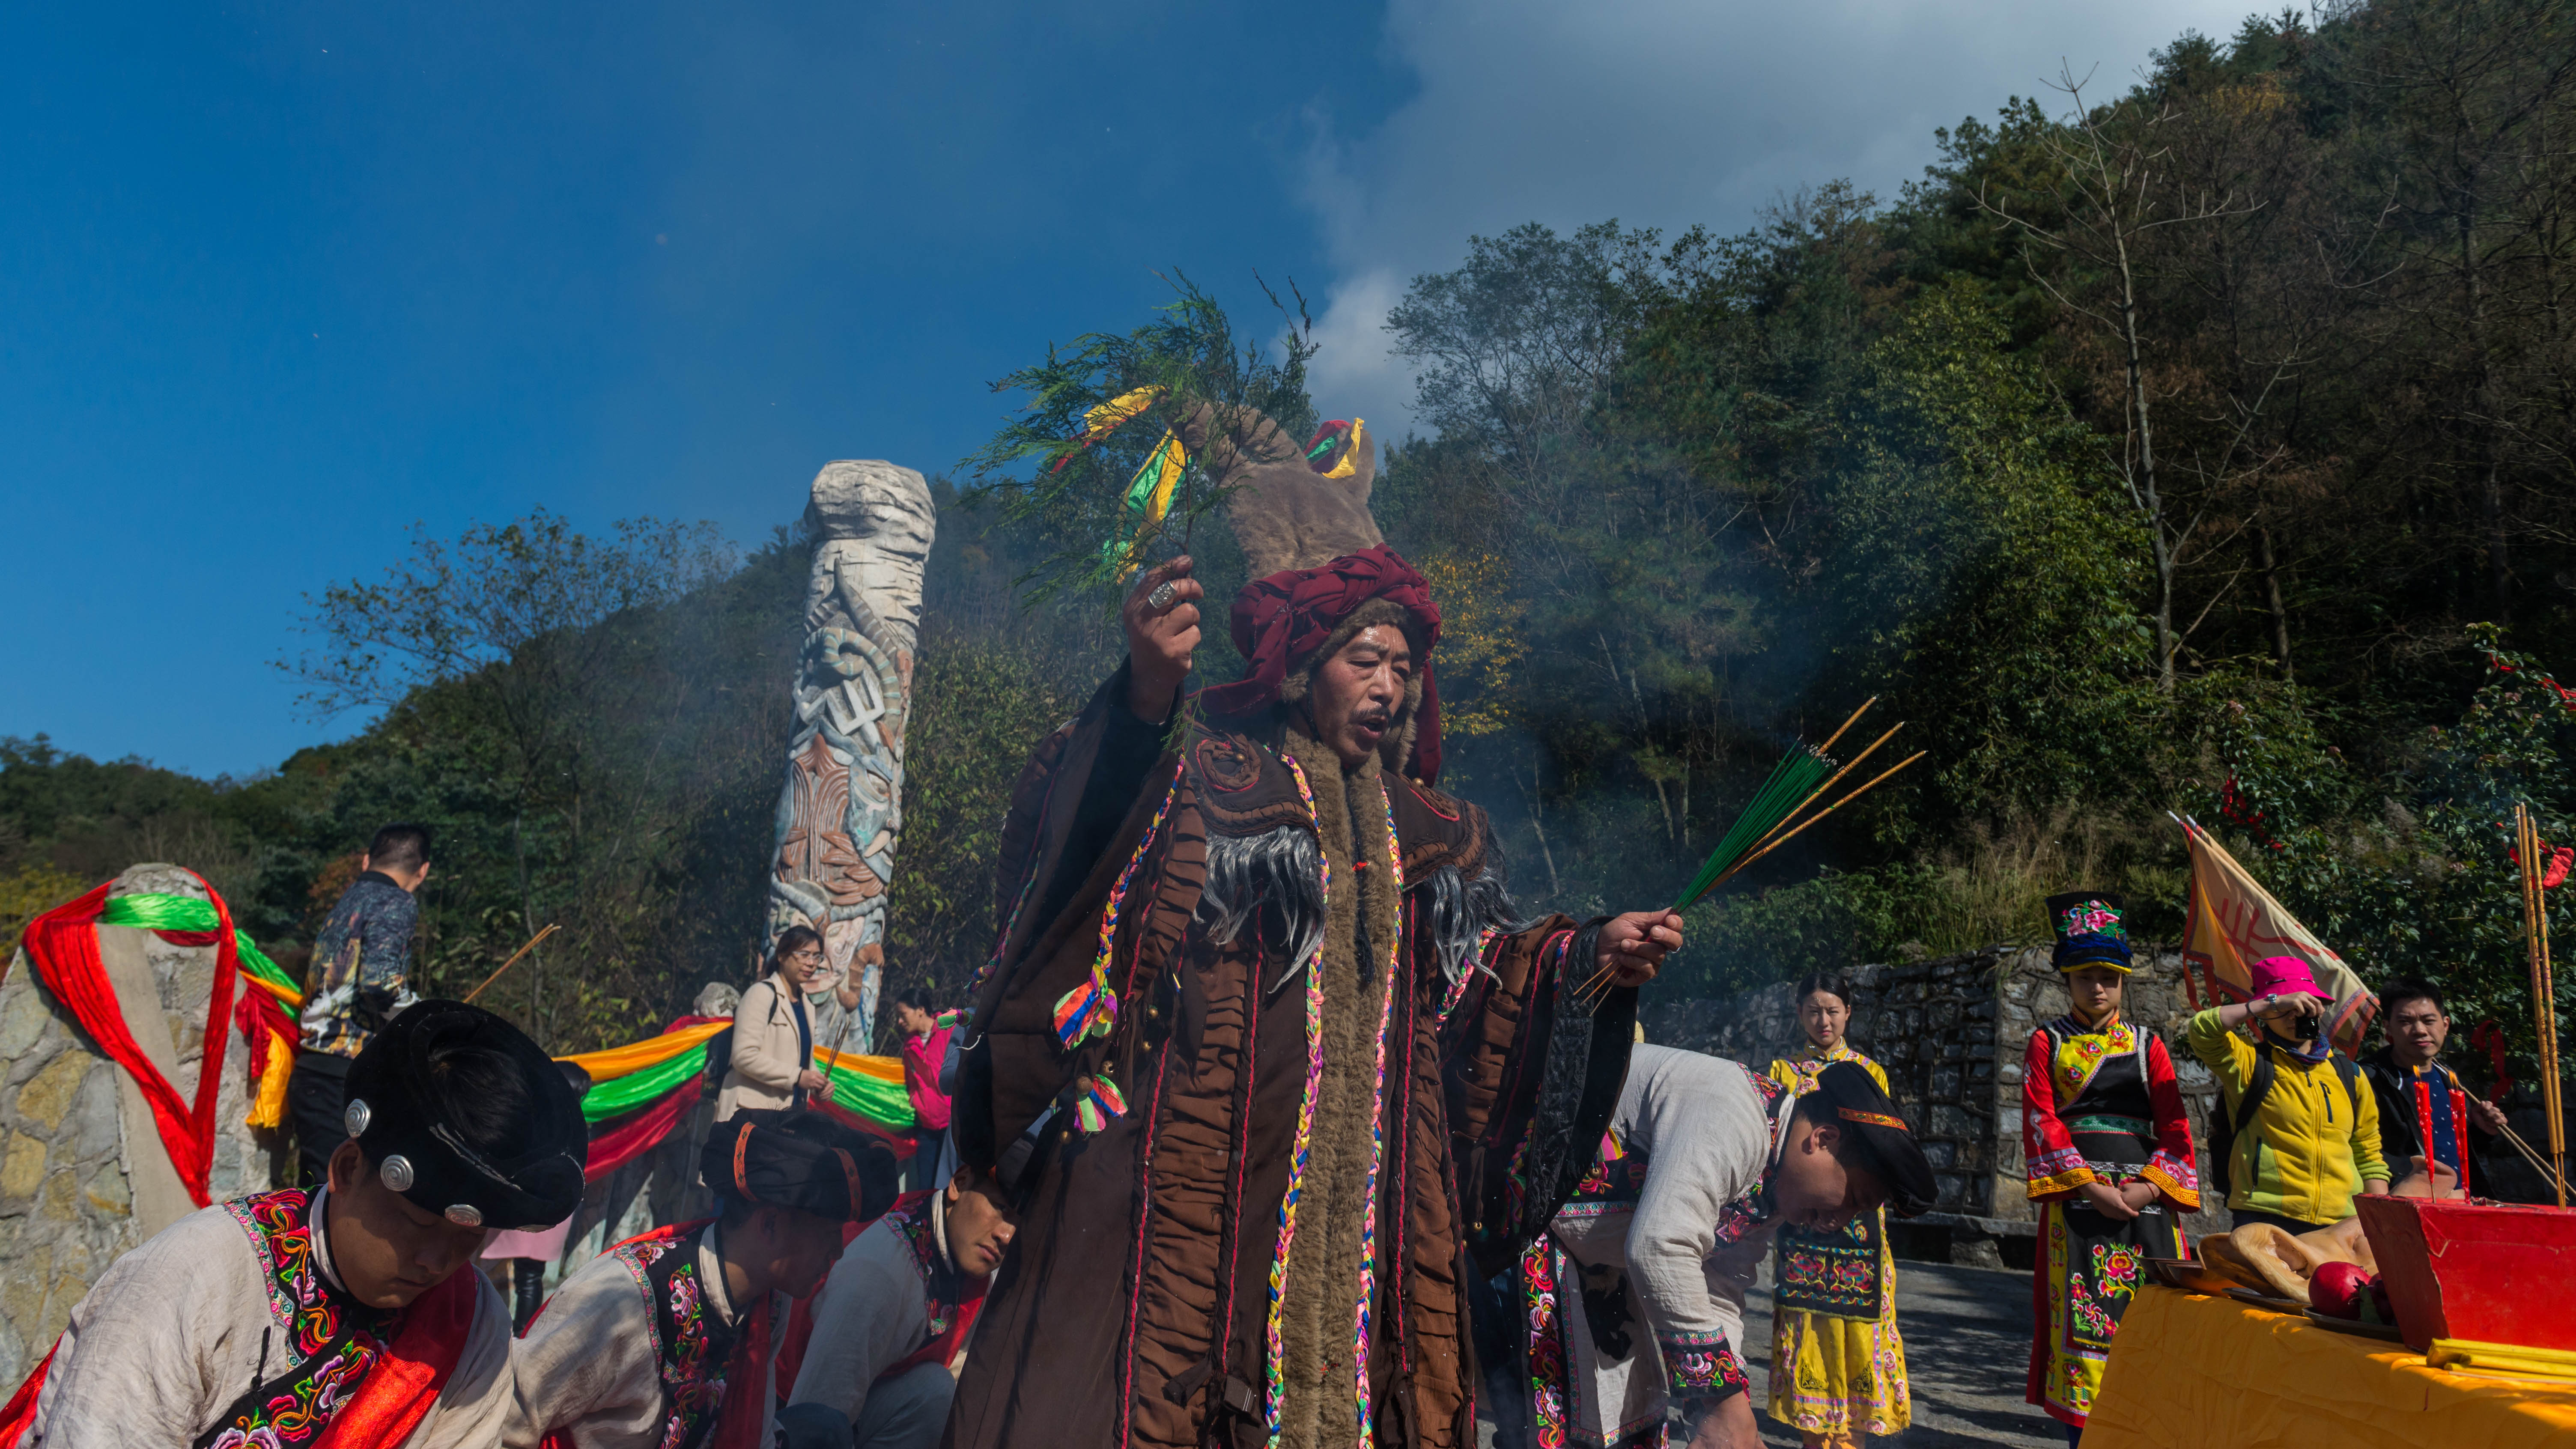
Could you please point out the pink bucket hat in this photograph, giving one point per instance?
(2286, 976)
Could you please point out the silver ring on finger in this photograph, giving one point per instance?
(1162, 597)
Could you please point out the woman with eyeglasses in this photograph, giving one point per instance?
(773, 1040)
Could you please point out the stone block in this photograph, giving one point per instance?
(95, 1121)
(1946, 1121)
(22, 1167)
(59, 1202)
(1941, 1154)
(1972, 1249)
(47, 1096)
(22, 1020)
(108, 1193)
(1945, 1084)
(1952, 1192)
(22, 1295)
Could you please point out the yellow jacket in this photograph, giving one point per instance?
(2311, 1145)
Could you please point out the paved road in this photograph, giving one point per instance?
(1967, 1347)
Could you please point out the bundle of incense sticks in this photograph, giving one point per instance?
(1773, 817)
(2544, 1001)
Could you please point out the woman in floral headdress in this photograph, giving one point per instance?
(2108, 1155)
(1837, 1364)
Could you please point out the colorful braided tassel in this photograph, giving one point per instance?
(1099, 1103)
(1091, 1009)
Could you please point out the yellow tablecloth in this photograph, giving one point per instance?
(2188, 1372)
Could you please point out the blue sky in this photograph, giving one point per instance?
(279, 281)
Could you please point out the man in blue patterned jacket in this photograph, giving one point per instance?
(361, 976)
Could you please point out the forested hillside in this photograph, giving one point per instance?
(2202, 441)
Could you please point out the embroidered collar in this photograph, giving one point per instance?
(1756, 1206)
(2072, 1025)
(331, 1342)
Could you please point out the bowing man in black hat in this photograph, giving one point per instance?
(275, 1318)
(1634, 1297)
(670, 1338)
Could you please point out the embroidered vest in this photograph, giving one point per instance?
(326, 1342)
(690, 1344)
(1832, 1271)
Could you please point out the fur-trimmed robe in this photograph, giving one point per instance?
(1137, 1305)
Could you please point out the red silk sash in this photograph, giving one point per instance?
(22, 1404)
(390, 1403)
(402, 1388)
(63, 944)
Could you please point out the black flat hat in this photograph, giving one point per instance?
(402, 1109)
(802, 1160)
(1868, 1114)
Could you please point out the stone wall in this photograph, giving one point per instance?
(68, 1138)
(1950, 1033)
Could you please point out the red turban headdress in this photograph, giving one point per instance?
(1285, 616)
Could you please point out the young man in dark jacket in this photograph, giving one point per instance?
(2423, 1109)
(360, 977)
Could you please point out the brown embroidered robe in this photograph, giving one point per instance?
(1244, 927)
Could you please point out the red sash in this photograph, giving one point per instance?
(389, 1404)
(63, 944)
(416, 1368)
(22, 1404)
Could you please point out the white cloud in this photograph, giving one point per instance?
(1353, 373)
(1665, 113)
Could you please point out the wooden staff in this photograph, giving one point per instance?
(2544, 1000)
(550, 929)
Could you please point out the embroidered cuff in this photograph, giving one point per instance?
(1701, 1366)
(2176, 1178)
(2054, 1174)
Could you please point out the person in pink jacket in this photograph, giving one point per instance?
(925, 1046)
(925, 1051)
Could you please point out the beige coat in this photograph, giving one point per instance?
(765, 1058)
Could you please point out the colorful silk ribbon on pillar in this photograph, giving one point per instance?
(63, 944)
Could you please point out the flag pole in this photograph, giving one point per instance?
(2544, 1004)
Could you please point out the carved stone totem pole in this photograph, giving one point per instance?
(842, 809)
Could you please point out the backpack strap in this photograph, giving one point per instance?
(2347, 1069)
(2257, 1089)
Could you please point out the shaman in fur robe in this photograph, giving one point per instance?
(1348, 1083)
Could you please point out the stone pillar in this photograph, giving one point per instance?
(842, 809)
(83, 1174)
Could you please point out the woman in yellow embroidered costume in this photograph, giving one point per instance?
(2109, 1158)
(1837, 1364)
